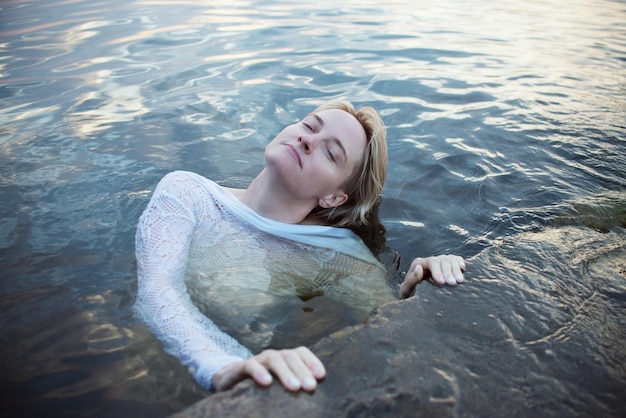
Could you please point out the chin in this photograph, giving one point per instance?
(281, 166)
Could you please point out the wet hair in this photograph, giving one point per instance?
(365, 185)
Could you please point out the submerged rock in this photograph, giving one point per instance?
(521, 338)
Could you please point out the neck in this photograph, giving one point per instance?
(269, 199)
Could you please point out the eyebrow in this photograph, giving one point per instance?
(334, 138)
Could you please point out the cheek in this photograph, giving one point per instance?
(330, 176)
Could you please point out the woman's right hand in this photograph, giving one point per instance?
(296, 369)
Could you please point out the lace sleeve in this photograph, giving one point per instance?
(162, 245)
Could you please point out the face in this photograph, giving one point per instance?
(315, 156)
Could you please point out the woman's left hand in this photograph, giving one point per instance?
(443, 269)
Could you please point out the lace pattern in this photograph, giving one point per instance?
(189, 237)
(164, 231)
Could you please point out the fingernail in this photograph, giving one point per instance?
(294, 383)
(451, 280)
(309, 383)
(460, 278)
(319, 371)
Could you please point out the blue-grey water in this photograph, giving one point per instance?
(507, 132)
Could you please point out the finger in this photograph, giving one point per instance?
(259, 373)
(313, 363)
(228, 376)
(457, 269)
(275, 361)
(412, 279)
(234, 373)
(451, 270)
(300, 369)
(436, 272)
(446, 269)
(407, 288)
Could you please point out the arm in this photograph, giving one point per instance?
(214, 358)
(162, 243)
(443, 269)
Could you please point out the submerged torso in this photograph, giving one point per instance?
(267, 291)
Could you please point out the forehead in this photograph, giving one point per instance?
(344, 127)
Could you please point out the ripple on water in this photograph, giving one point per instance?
(506, 129)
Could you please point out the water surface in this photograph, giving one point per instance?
(506, 125)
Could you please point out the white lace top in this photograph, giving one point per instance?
(196, 241)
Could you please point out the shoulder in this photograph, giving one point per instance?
(182, 176)
(193, 188)
(188, 178)
(235, 192)
(185, 187)
(185, 181)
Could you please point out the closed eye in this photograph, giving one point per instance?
(330, 154)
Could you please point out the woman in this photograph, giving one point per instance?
(323, 175)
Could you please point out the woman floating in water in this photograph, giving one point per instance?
(323, 176)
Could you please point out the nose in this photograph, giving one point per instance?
(307, 142)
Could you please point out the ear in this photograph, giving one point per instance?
(333, 200)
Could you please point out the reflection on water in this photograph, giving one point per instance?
(506, 136)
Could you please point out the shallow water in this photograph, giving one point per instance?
(506, 127)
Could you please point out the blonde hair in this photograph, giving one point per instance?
(365, 185)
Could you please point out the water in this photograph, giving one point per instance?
(506, 126)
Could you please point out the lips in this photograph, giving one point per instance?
(295, 154)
